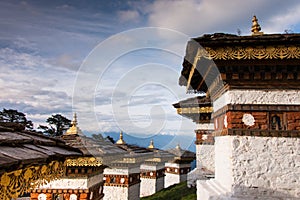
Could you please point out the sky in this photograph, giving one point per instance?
(115, 63)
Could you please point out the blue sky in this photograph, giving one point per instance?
(98, 58)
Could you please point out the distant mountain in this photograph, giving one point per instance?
(160, 141)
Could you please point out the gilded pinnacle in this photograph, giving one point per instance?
(151, 145)
(121, 141)
(74, 130)
(255, 27)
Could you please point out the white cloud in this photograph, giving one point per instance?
(197, 17)
(129, 16)
(283, 21)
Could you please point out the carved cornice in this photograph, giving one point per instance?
(194, 110)
(249, 53)
(84, 161)
(258, 133)
(18, 182)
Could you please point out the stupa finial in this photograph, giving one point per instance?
(74, 120)
(73, 130)
(255, 27)
(121, 141)
(151, 145)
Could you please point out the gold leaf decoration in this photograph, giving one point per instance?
(244, 53)
(18, 182)
(84, 161)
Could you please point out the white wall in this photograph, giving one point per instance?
(122, 193)
(171, 179)
(257, 166)
(73, 183)
(205, 157)
(288, 97)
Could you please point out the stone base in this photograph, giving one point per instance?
(122, 193)
(212, 190)
(151, 186)
(197, 174)
(249, 167)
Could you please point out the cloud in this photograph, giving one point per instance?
(129, 16)
(197, 17)
(286, 20)
(66, 61)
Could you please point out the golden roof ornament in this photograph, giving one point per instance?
(256, 27)
(74, 130)
(178, 146)
(121, 141)
(151, 145)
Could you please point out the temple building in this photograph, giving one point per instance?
(178, 168)
(84, 175)
(253, 85)
(199, 109)
(75, 166)
(28, 159)
(122, 177)
(153, 171)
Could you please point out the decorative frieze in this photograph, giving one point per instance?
(257, 97)
(251, 53)
(176, 170)
(18, 182)
(154, 174)
(84, 161)
(121, 180)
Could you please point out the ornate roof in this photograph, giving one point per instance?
(211, 56)
(199, 108)
(182, 155)
(29, 158)
(21, 148)
(213, 60)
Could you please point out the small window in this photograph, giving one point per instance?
(276, 122)
(112, 179)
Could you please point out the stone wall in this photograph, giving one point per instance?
(122, 193)
(151, 186)
(205, 157)
(171, 179)
(261, 167)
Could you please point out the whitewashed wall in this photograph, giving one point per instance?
(205, 157)
(122, 193)
(73, 183)
(254, 168)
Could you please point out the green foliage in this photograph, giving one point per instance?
(174, 192)
(57, 125)
(14, 116)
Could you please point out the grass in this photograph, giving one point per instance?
(174, 192)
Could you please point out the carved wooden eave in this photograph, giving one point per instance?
(199, 109)
(84, 162)
(214, 61)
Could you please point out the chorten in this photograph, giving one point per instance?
(253, 83)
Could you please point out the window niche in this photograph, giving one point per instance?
(277, 121)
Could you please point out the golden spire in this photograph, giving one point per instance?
(151, 145)
(255, 27)
(121, 141)
(74, 120)
(74, 130)
(178, 146)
